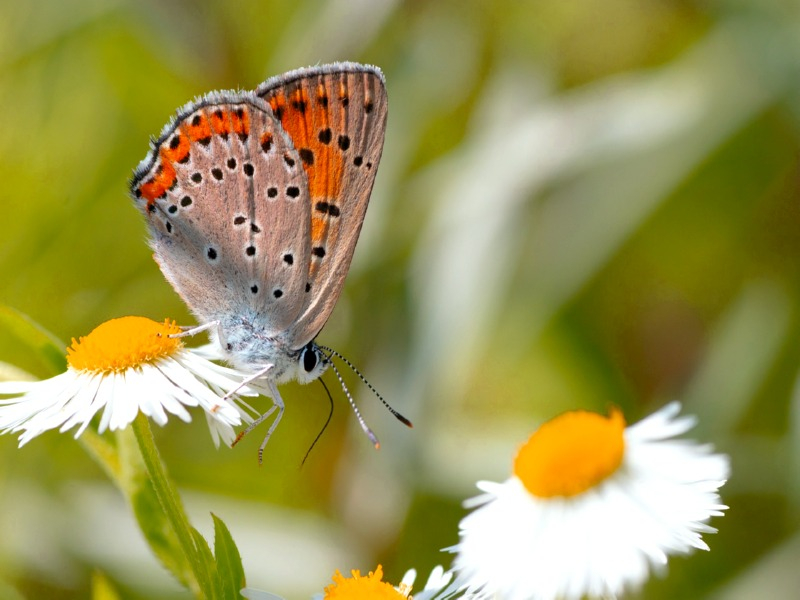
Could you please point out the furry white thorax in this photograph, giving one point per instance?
(248, 346)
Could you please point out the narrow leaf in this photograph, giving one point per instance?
(47, 346)
(102, 588)
(229, 561)
(207, 571)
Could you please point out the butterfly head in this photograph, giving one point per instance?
(311, 363)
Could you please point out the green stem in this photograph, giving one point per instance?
(169, 499)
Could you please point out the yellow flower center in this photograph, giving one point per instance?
(122, 344)
(571, 453)
(363, 588)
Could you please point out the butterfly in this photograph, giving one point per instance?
(254, 202)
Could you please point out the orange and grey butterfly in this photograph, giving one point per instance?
(254, 203)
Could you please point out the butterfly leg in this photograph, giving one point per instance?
(277, 405)
(248, 380)
(188, 331)
(259, 420)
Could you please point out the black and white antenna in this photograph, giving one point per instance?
(330, 354)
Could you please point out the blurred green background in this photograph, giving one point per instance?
(580, 204)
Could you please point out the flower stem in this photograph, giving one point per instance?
(171, 504)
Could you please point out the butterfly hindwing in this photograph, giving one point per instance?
(335, 116)
(228, 212)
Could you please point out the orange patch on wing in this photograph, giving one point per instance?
(319, 227)
(158, 185)
(278, 105)
(168, 153)
(305, 115)
(179, 152)
(324, 183)
(198, 128)
(299, 97)
(322, 95)
(305, 120)
(240, 121)
(221, 122)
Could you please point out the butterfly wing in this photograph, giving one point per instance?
(336, 117)
(227, 208)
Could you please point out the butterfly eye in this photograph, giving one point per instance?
(309, 359)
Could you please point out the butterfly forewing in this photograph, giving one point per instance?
(336, 117)
(227, 206)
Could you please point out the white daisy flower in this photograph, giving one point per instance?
(591, 508)
(124, 366)
(436, 584)
(370, 587)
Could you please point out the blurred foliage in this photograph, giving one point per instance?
(579, 203)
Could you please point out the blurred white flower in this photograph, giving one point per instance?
(124, 366)
(591, 508)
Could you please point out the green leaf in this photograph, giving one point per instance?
(9, 593)
(46, 345)
(206, 571)
(102, 588)
(229, 562)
